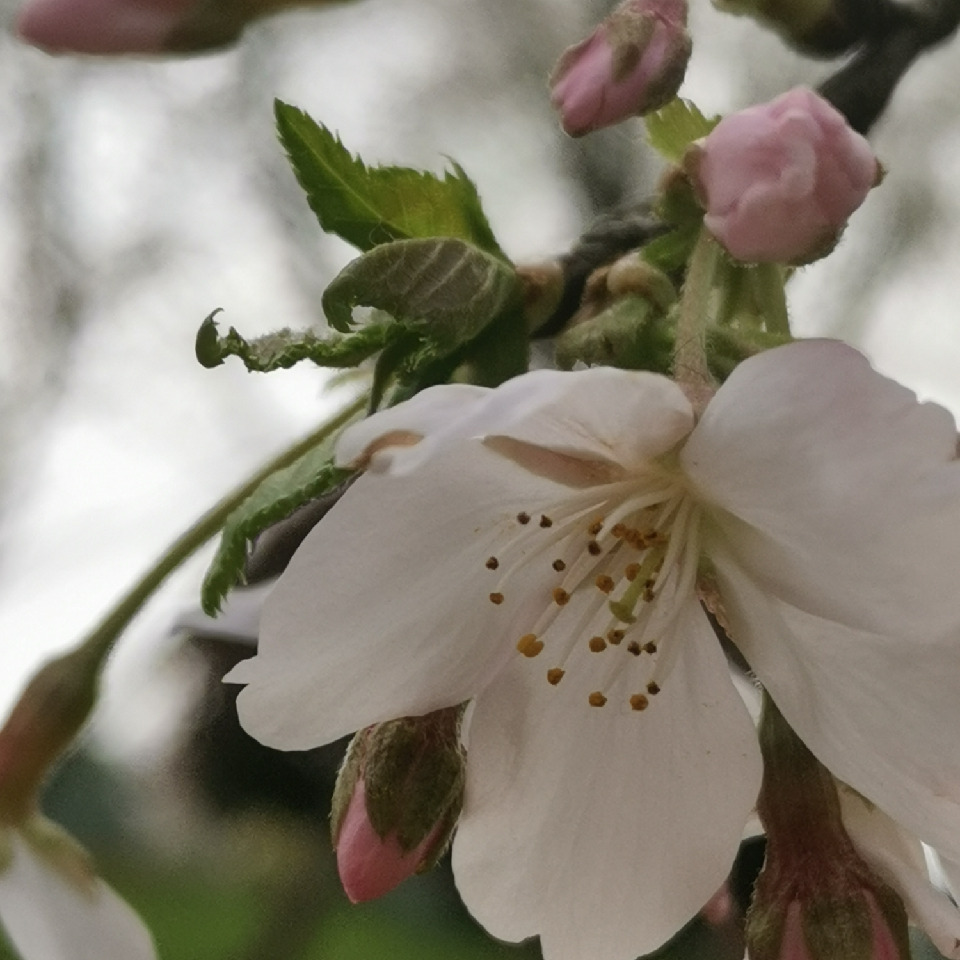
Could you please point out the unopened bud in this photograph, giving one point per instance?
(633, 63)
(620, 322)
(49, 714)
(815, 898)
(542, 287)
(779, 180)
(113, 27)
(397, 800)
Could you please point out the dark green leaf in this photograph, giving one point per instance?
(674, 127)
(367, 206)
(444, 289)
(275, 499)
(284, 348)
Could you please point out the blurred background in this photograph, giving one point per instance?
(138, 195)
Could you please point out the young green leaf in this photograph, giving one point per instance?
(671, 251)
(674, 127)
(367, 206)
(275, 499)
(444, 289)
(284, 348)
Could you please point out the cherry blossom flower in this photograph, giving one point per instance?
(537, 548)
(53, 906)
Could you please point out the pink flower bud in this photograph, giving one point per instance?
(779, 180)
(49, 714)
(397, 800)
(633, 63)
(815, 898)
(371, 865)
(864, 932)
(110, 27)
(100, 26)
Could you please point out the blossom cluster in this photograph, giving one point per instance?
(546, 609)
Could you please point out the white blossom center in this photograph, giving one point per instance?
(624, 557)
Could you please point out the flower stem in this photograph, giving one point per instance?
(690, 355)
(100, 641)
(772, 298)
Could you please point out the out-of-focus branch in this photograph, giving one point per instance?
(897, 36)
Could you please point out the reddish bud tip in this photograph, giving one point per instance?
(371, 865)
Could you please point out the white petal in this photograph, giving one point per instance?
(603, 830)
(427, 414)
(880, 712)
(614, 416)
(898, 859)
(951, 872)
(606, 415)
(47, 918)
(838, 490)
(384, 610)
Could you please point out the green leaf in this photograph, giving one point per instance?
(671, 251)
(275, 499)
(367, 206)
(674, 127)
(446, 290)
(284, 348)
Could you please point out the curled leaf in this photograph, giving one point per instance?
(445, 289)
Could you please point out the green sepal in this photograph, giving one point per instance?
(727, 347)
(674, 127)
(671, 251)
(444, 289)
(284, 348)
(312, 475)
(631, 333)
(677, 205)
(368, 206)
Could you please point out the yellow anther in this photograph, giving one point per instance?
(597, 699)
(496, 598)
(560, 596)
(605, 584)
(595, 527)
(639, 702)
(529, 645)
(554, 675)
(598, 644)
(632, 571)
